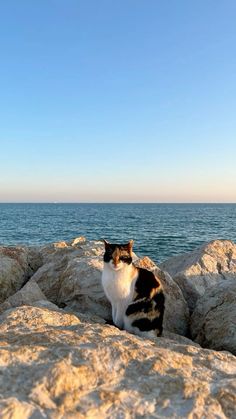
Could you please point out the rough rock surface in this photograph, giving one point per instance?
(69, 364)
(55, 365)
(71, 276)
(213, 322)
(17, 264)
(207, 266)
(28, 294)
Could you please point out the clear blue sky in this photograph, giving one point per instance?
(111, 101)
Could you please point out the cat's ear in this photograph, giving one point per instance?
(130, 245)
(106, 243)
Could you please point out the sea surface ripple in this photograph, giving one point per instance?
(159, 230)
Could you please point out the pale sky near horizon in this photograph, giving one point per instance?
(127, 101)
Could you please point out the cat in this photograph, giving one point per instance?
(135, 294)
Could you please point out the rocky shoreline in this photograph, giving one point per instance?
(59, 359)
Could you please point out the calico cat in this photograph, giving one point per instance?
(135, 294)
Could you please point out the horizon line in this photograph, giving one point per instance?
(116, 202)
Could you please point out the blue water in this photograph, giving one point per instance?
(159, 230)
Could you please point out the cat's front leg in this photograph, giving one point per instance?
(119, 317)
(114, 310)
(119, 323)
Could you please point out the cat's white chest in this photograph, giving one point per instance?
(117, 285)
(119, 289)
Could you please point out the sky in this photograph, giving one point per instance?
(118, 101)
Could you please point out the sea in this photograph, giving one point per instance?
(158, 230)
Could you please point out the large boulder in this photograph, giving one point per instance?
(17, 265)
(213, 322)
(57, 365)
(71, 276)
(28, 294)
(206, 266)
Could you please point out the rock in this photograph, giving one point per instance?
(174, 337)
(17, 264)
(78, 240)
(45, 304)
(71, 276)
(207, 266)
(55, 365)
(213, 322)
(26, 295)
(78, 246)
(176, 317)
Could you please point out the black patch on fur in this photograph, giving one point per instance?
(143, 324)
(146, 325)
(144, 306)
(108, 252)
(145, 283)
(107, 257)
(126, 259)
(159, 299)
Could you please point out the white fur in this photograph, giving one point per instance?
(118, 283)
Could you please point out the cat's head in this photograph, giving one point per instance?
(118, 255)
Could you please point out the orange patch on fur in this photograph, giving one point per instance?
(115, 256)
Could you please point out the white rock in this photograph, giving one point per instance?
(26, 295)
(213, 322)
(17, 264)
(207, 266)
(71, 276)
(54, 365)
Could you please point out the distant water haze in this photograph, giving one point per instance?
(140, 189)
(151, 182)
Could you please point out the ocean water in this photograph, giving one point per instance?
(159, 230)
